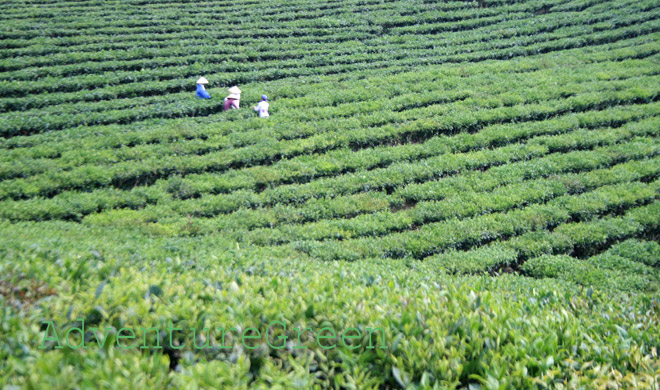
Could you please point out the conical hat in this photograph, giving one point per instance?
(202, 80)
(234, 96)
(235, 90)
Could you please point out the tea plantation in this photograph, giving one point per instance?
(446, 195)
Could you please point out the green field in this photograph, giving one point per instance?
(447, 195)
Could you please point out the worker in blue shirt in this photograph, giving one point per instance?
(201, 91)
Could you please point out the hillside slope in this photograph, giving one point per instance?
(469, 192)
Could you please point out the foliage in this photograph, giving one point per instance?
(478, 179)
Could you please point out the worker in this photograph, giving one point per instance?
(262, 107)
(233, 100)
(201, 91)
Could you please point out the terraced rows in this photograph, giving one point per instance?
(643, 18)
(343, 171)
(336, 165)
(416, 152)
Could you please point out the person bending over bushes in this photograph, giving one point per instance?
(201, 91)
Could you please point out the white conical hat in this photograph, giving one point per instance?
(234, 96)
(235, 90)
(202, 80)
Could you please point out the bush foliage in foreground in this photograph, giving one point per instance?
(440, 331)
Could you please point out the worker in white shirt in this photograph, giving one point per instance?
(262, 107)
